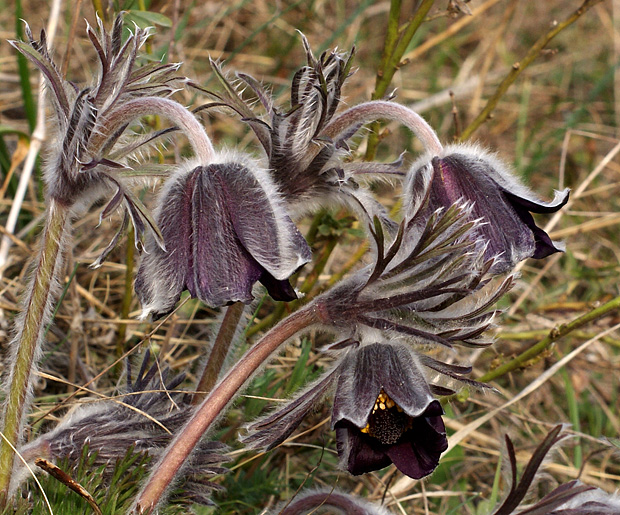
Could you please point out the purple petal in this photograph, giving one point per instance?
(162, 273)
(260, 220)
(369, 369)
(278, 290)
(417, 454)
(457, 178)
(359, 453)
(221, 270)
(544, 245)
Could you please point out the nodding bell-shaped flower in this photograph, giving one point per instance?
(466, 173)
(384, 413)
(224, 227)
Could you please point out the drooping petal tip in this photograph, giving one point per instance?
(468, 173)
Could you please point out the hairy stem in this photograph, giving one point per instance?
(26, 345)
(219, 351)
(169, 109)
(521, 65)
(215, 403)
(381, 109)
(557, 333)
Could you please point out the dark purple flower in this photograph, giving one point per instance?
(384, 413)
(224, 228)
(466, 173)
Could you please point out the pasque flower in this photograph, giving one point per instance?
(383, 412)
(308, 166)
(499, 199)
(429, 288)
(224, 227)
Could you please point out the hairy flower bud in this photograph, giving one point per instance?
(144, 418)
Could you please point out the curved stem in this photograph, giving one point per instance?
(26, 345)
(215, 403)
(219, 351)
(173, 111)
(381, 109)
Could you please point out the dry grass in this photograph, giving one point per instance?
(557, 124)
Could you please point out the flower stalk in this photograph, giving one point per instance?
(27, 341)
(377, 109)
(219, 351)
(214, 404)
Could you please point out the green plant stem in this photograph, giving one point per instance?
(541, 333)
(215, 403)
(29, 336)
(219, 351)
(393, 51)
(557, 333)
(521, 65)
(127, 295)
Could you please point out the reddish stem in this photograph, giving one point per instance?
(213, 406)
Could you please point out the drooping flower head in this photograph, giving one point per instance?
(468, 173)
(224, 227)
(384, 413)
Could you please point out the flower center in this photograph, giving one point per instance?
(388, 421)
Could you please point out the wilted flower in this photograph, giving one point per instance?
(145, 418)
(466, 173)
(224, 228)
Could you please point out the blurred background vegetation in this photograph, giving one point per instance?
(557, 124)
